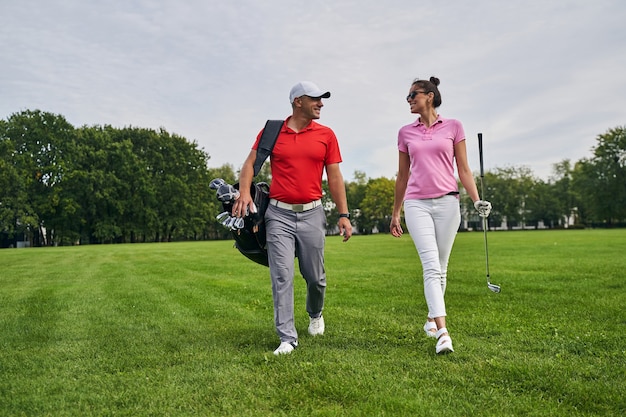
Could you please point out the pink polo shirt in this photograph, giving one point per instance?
(431, 152)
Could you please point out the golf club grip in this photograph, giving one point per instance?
(480, 153)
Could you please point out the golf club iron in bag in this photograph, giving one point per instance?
(248, 231)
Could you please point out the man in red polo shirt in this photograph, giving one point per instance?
(295, 220)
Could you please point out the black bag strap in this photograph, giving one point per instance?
(267, 142)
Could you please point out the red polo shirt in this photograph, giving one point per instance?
(298, 162)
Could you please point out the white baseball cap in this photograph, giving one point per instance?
(307, 88)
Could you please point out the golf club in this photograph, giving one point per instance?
(226, 193)
(231, 223)
(226, 221)
(220, 217)
(493, 287)
(215, 183)
(239, 223)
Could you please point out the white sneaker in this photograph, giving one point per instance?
(430, 328)
(285, 348)
(316, 326)
(444, 343)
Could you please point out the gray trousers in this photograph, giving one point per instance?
(289, 235)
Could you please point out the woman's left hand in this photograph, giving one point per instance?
(395, 227)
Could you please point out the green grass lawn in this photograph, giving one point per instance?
(186, 329)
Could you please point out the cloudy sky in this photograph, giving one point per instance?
(541, 79)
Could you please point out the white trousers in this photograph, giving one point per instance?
(433, 224)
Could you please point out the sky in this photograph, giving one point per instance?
(539, 79)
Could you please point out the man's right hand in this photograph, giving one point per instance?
(244, 205)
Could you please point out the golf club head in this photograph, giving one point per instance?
(220, 217)
(493, 287)
(231, 223)
(239, 223)
(215, 184)
(226, 193)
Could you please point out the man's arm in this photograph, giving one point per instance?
(244, 202)
(337, 189)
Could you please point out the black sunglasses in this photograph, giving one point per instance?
(414, 94)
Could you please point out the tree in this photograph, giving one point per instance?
(606, 187)
(89, 184)
(508, 190)
(99, 184)
(355, 193)
(599, 182)
(16, 213)
(543, 205)
(41, 146)
(563, 192)
(377, 205)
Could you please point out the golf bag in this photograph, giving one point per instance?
(249, 231)
(250, 240)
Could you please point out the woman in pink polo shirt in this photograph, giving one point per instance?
(428, 149)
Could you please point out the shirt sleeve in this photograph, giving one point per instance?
(333, 154)
(255, 146)
(402, 146)
(460, 133)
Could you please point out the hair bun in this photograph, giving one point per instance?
(434, 80)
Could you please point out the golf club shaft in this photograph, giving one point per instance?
(485, 225)
(494, 288)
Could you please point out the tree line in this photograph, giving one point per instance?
(62, 185)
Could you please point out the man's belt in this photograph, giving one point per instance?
(296, 208)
